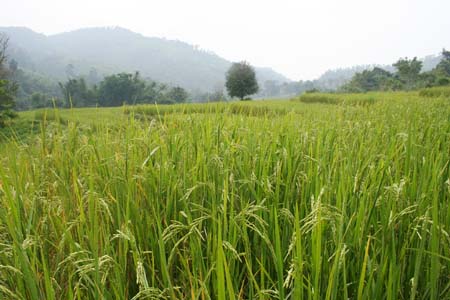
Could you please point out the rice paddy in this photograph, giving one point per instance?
(347, 198)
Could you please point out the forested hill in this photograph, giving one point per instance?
(333, 79)
(96, 52)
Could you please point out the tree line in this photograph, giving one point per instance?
(119, 89)
(35, 91)
(408, 76)
(21, 89)
(405, 74)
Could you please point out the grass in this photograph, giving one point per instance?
(365, 99)
(255, 200)
(434, 92)
(213, 108)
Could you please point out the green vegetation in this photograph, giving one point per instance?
(304, 199)
(6, 102)
(7, 87)
(241, 80)
(376, 79)
(435, 92)
(115, 90)
(407, 77)
(120, 89)
(81, 54)
(146, 111)
(345, 99)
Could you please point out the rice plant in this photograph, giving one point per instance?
(310, 201)
(441, 91)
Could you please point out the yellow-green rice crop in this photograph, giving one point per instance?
(262, 200)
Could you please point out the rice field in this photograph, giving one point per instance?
(300, 199)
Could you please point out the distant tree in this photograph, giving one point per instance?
(6, 102)
(13, 65)
(127, 88)
(93, 77)
(39, 100)
(3, 58)
(376, 79)
(152, 92)
(443, 67)
(427, 79)
(241, 80)
(8, 88)
(217, 95)
(117, 89)
(443, 81)
(177, 95)
(408, 71)
(76, 93)
(271, 88)
(445, 54)
(29, 83)
(70, 71)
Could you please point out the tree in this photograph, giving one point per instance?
(216, 96)
(76, 92)
(177, 94)
(127, 88)
(443, 67)
(241, 80)
(408, 71)
(29, 83)
(121, 88)
(271, 88)
(39, 100)
(70, 71)
(8, 89)
(13, 65)
(445, 54)
(372, 80)
(93, 77)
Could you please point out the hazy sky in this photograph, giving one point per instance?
(300, 39)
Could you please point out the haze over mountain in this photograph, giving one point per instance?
(103, 51)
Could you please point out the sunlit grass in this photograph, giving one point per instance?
(254, 200)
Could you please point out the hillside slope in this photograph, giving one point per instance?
(102, 51)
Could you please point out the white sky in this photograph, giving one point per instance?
(300, 39)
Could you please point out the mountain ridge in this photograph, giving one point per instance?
(110, 50)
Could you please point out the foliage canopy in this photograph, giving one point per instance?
(241, 80)
(7, 87)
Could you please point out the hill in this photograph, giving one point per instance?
(95, 52)
(333, 79)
